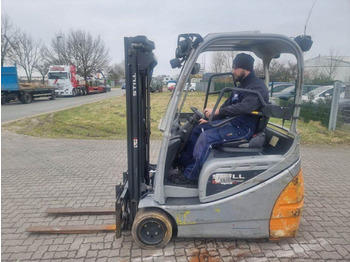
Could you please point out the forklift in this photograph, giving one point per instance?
(246, 189)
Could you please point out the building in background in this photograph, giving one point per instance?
(334, 67)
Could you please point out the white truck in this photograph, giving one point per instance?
(67, 83)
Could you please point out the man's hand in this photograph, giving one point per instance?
(202, 121)
(208, 111)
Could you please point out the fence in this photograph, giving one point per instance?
(332, 109)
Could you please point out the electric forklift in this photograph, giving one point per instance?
(246, 189)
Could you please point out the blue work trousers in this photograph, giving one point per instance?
(201, 140)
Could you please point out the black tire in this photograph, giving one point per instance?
(26, 98)
(152, 229)
(74, 92)
(53, 95)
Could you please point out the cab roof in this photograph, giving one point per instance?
(264, 46)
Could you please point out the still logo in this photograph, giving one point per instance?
(227, 178)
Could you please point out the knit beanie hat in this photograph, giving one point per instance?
(244, 61)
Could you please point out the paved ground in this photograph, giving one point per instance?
(42, 173)
(17, 110)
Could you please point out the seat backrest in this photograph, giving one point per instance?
(263, 121)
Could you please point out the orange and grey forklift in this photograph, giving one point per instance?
(246, 189)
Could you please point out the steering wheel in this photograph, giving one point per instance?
(197, 112)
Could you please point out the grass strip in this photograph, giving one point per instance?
(107, 120)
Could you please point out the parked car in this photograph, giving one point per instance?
(191, 87)
(279, 88)
(322, 92)
(288, 93)
(123, 86)
(171, 85)
(108, 88)
(279, 83)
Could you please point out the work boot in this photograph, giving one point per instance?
(177, 177)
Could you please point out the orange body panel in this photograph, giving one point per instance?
(285, 217)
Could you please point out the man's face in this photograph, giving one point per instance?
(238, 74)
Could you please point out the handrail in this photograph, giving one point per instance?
(227, 89)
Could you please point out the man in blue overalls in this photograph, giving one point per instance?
(243, 126)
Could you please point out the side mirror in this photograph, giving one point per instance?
(304, 41)
(185, 43)
(183, 48)
(175, 63)
(196, 69)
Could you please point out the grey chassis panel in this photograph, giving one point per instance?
(273, 164)
(243, 215)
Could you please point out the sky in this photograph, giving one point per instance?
(163, 20)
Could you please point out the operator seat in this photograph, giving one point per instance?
(254, 144)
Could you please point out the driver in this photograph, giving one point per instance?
(243, 126)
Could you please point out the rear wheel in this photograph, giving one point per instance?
(152, 229)
(26, 98)
(53, 95)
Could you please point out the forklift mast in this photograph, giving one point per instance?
(139, 64)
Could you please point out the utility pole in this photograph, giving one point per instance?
(59, 48)
(335, 105)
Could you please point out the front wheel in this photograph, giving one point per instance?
(74, 92)
(152, 229)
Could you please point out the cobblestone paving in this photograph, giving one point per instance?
(42, 173)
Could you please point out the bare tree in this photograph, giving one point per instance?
(229, 56)
(8, 37)
(59, 54)
(26, 53)
(331, 64)
(88, 54)
(116, 72)
(282, 71)
(279, 70)
(217, 62)
(43, 64)
(222, 61)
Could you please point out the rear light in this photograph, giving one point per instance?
(286, 213)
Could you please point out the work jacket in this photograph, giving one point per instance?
(241, 104)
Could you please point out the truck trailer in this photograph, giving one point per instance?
(12, 89)
(68, 82)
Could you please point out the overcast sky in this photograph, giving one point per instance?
(162, 21)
